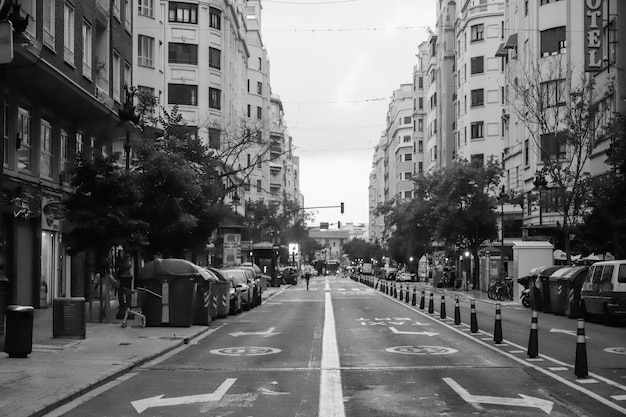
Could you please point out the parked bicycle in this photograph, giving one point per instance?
(501, 289)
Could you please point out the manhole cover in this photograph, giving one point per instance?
(421, 350)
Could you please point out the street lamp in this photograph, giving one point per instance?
(502, 198)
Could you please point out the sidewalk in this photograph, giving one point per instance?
(61, 369)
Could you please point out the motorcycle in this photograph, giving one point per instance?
(525, 295)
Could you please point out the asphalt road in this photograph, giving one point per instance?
(345, 349)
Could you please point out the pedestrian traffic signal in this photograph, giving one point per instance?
(342, 208)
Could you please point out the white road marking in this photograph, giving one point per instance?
(159, 401)
(267, 333)
(524, 401)
(331, 394)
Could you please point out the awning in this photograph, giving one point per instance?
(511, 42)
(501, 50)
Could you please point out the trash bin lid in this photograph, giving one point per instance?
(13, 307)
(575, 274)
(543, 271)
(172, 268)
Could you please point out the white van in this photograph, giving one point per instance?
(604, 291)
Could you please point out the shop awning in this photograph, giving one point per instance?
(511, 42)
(501, 50)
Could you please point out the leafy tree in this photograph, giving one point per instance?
(604, 228)
(361, 249)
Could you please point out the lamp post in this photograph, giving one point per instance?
(502, 198)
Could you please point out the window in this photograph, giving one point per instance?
(127, 14)
(477, 160)
(526, 153)
(215, 96)
(408, 175)
(182, 94)
(79, 144)
(477, 65)
(420, 82)
(87, 50)
(407, 120)
(182, 53)
(214, 138)
(145, 51)
(146, 7)
(5, 132)
(48, 24)
(64, 161)
(407, 157)
(553, 147)
(420, 103)
(249, 110)
(260, 66)
(477, 130)
(128, 71)
(406, 139)
(183, 12)
(477, 33)
(408, 194)
(259, 87)
(68, 35)
(215, 18)
(45, 143)
(553, 93)
(420, 146)
(553, 41)
(259, 113)
(259, 186)
(117, 81)
(215, 58)
(24, 144)
(478, 97)
(420, 125)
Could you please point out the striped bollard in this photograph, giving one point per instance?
(422, 300)
(431, 304)
(497, 331)
(414, 299)
(533, 341)
(395, 290)
(406, 294)
(580, 368)
(457, 310)
(473, 319)
(401, 292)
(442, 307)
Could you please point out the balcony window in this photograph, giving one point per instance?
(64, 161)
(215, 58)
(87, 49)
(215, 96)
(48, 24)
(24, 141)
(146, 8)
(180, 12)
(68, 35)
(477, 129)
(183, 94)
(477, 32)
(478, 97)
(182, 53)
(477, 65)
(215, 18)
(145, 51)
(553, 41)
(46, 156)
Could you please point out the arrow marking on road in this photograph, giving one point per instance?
(396, 331)
(159, 401)
(267, 333)
(569, 332)
(525, 401)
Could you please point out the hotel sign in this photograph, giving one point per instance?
(594, 42)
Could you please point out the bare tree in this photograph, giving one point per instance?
(562, 114)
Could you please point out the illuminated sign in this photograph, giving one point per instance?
(593, 35)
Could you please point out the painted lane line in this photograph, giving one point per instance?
(396, 331)
(619, 397)
(331, 392)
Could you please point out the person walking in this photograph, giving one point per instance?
(307, 274)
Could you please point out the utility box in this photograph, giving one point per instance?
(528, 254)
(69, 317)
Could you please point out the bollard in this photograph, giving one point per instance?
(414, 300)
(497, 331)
(422, 300)
(457, 310)
(473, 319)
(377, 282)
(406, 294)
(580, 368)
(401, 292)
(442, 307)
(533, 341)
(395, 290)
(431, 306)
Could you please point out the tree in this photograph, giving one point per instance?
(561, 114)
(361, 249)
(604, 228)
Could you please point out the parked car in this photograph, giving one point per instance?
(390, 273)
(290, 275)
(235, 295)
(405, 276)
(244, 281)
(604, 291)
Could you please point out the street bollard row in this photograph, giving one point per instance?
(391, 289)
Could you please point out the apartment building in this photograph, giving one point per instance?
(555, 44)
(60, 94)
(399, 144)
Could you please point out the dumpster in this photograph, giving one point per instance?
(18, 342)
(171, 286)
(540, 287)
(69, 317)
(565, 287)
(203, 312)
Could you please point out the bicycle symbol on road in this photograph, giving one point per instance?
(421, 350)
(245, 351)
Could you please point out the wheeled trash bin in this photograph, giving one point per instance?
(18, 342)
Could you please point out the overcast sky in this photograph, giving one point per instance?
(335, 65)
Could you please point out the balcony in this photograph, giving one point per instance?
(104, 98)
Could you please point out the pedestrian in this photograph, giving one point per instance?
(307, 274)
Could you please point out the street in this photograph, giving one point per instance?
(344, 348)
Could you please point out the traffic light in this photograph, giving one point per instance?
(342, 207)
(339, 224)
